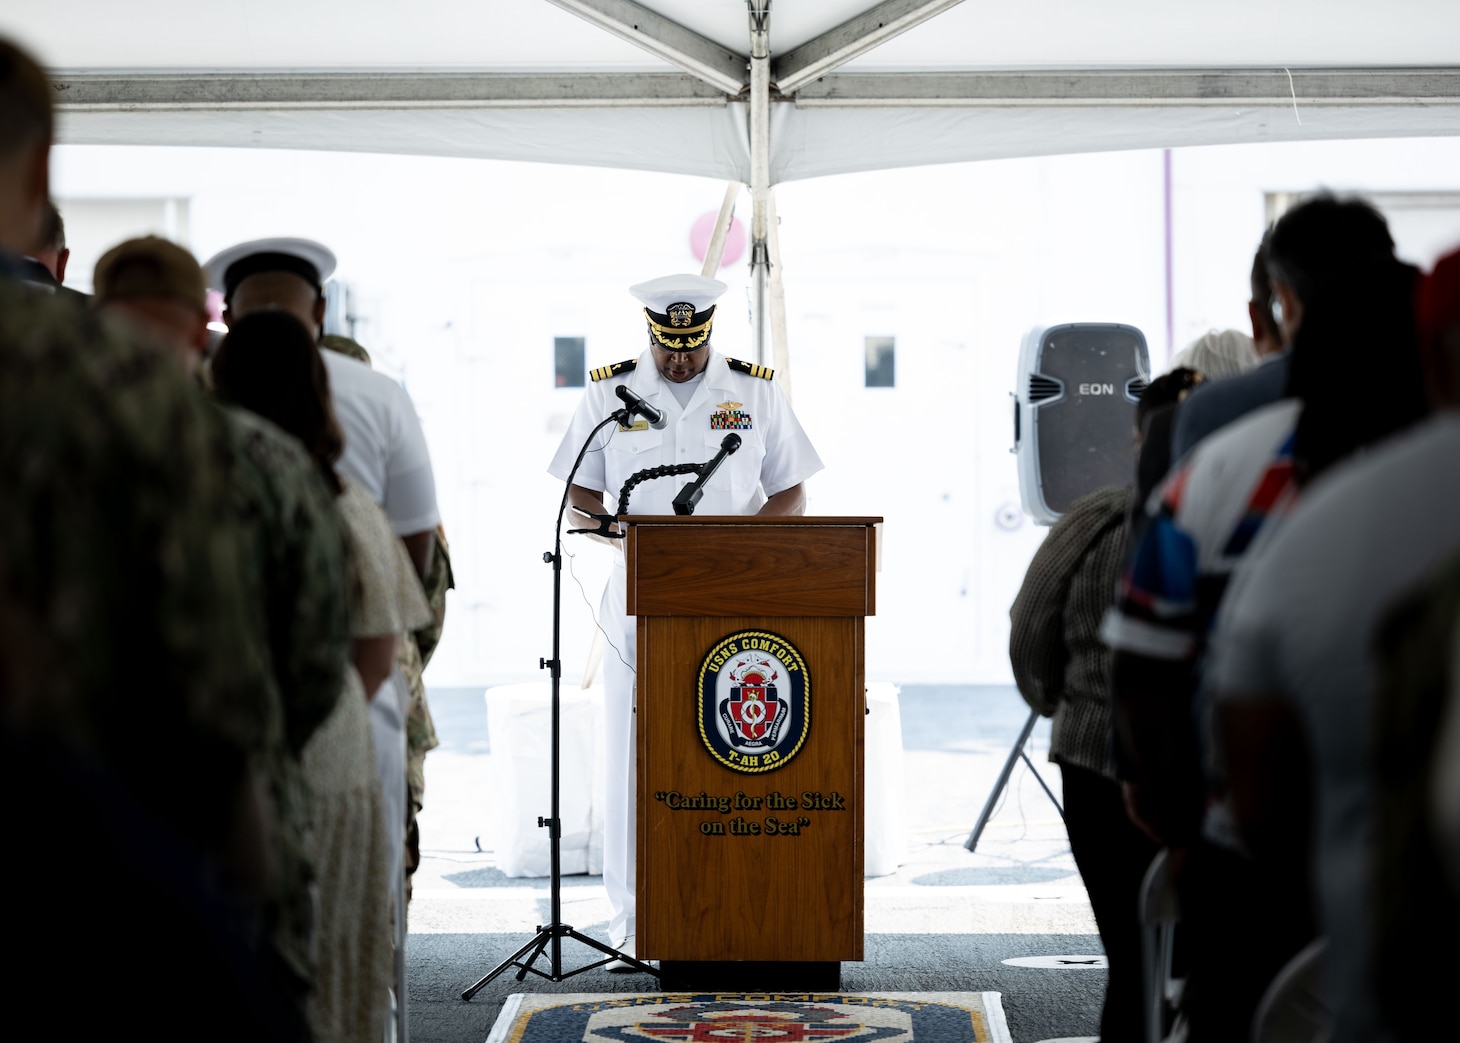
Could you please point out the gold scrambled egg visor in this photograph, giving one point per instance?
(676, 329)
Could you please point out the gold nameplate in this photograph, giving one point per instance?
(637, 425)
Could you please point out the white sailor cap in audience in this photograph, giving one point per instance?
(680, 308)
(312, 261)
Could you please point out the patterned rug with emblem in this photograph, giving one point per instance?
(679, 1017)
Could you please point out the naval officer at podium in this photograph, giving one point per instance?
(703, 396)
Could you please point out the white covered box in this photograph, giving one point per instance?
(519, 723)
(885, 796)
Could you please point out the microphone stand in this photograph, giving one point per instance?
(549, 936)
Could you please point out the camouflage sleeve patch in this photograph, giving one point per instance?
(439, 579)
(764, 372)
(345, 346)
(612, 371)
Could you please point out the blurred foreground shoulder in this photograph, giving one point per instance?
(118, 532)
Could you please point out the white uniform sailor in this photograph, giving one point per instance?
(385, 453)
(704, 396)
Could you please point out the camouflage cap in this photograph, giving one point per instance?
(150, 267)
(345, 346)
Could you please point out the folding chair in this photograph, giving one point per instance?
(1159, 914)
(1294, 1008)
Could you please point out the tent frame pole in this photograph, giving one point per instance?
(716, 250)
(776, 306)
(760, 171)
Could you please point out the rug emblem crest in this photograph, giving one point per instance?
(740, 1017)
(729, 1021)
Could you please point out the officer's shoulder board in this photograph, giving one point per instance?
(764, 372)
(612, 371)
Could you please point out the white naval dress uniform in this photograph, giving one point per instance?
(774, 455)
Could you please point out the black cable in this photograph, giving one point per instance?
(621, 416)
(593, 613)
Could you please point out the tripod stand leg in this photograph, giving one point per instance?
(612, 952)
(988, 807)
(538, 941)
(1043, 785)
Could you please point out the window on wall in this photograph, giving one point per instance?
(568, 365)
(881, 353)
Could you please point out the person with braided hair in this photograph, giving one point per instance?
(1062, 669)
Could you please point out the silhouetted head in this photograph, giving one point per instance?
(269, 364)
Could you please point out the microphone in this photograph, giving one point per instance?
(636, 404)
(685, 500)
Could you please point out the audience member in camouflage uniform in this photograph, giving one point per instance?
(130, 710)
(294, 558)
(420, 728)
(120, 559)
(415, 654)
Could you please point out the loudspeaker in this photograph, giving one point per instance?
(1074, 412)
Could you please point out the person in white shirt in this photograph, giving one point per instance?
(385, 446)
(702, 396)
(385, 451)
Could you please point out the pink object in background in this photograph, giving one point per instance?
(215, 306)
(704, 227)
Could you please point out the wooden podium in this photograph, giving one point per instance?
(751, 705)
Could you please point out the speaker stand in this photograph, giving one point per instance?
(1015, 754)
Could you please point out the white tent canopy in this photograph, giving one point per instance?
(749, 91)
(663, 85)
(536, 81)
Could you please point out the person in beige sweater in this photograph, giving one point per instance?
(1062, 669)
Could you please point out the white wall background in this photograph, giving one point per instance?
(463, 271)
